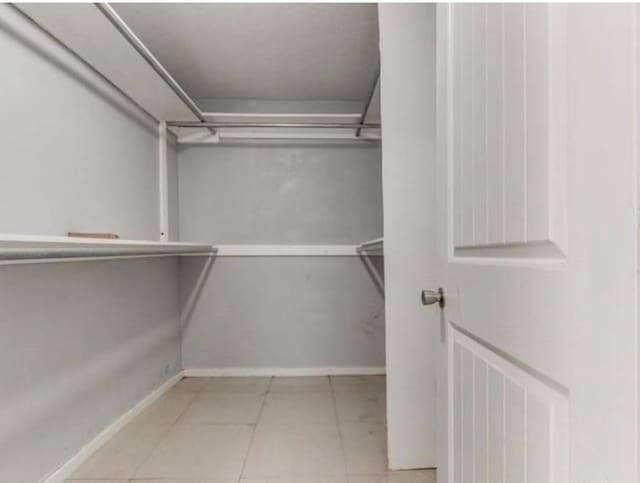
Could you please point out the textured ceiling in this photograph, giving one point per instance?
(263, 51)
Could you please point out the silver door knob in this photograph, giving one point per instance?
(430, 297)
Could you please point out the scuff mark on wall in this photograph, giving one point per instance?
(372, 324)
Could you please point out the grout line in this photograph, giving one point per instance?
(254, 429)
(189, 404)
(164, 435)
(339, 426)
(241, 476)
(68, 469)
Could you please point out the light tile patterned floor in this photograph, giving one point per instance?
(255, 430)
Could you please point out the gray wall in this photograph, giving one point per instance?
(76, 155)
(273, 194)
(80, 342)
(270, 312)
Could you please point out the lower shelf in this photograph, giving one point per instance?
(33, 249)
(286, 250)
(30, 248)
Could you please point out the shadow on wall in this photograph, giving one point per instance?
(84, 74)
(194, 272)
(375, 268)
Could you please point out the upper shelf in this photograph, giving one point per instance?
(22, 248)
(88, 33)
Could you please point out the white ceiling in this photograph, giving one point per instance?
(262, 51)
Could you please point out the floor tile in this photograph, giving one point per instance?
(300, 384)
(294, 450)
(199, 451)
(259, 385)
(299, 407)
(421, 476)
(213, 407)
(167, 409)
(121, 456)
(96, 481)
(358, 383)
(299, 479)
(190, 385)
(365, 447)
(190, 480)
(361, 406)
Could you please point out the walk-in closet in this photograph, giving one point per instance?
(319, 243)
(192, 251)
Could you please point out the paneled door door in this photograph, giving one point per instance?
(537, 148)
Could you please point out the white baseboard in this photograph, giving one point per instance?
(68, 468)
(284, 371)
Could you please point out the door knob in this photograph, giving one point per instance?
(430, 297)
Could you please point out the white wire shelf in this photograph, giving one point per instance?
(40, 249)
(286, 250)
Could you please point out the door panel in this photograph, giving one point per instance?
(508, 96)
(508, 425)
(537, 148)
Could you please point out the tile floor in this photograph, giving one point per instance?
(255, 430)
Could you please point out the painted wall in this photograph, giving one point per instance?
(80, 342)
(273, 194)
(407, 44)
(80, 156)
(271, 313)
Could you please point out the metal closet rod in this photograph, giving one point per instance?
(129, 35)
(289, 125)
(72, 253)
(122, 27)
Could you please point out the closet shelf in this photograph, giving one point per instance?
(372, 247)
(32, 248)
(287, 250)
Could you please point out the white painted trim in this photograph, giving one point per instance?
(355, 115)
(67, 469)
(284, 371)
(286, 250)
(163, 183)
(367, 134)
(205, 137)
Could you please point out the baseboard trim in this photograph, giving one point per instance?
(284, 371)
(67, 469)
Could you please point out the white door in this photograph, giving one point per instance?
(537, 128)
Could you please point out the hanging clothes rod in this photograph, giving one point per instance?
(14, 255)
(30, 254)
(122, 27)
(285, 125)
